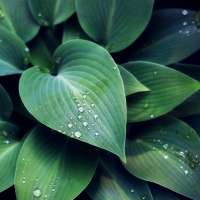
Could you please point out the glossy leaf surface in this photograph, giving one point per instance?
(166, 151)
(85, 99)
(52, 166)
(114, 24)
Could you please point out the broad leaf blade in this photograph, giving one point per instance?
(86, 98)
(9, 149)
(16, 17)
(166, 151)
(114, 24)
(112, 182)
(164, 95)
(14, 54)
(170, 36)
(131, 84)
(5, 104)
(52, 166)
(51, 12)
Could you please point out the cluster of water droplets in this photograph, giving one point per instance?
(6, 137)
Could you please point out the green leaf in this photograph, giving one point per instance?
(114, 24)
(165, 94)
(159, 193)
(9, 149)
(131, 84)
(86, 98)
(15, 16)
(112, 182)
(52, 166)
(73, 30)
(46, 42)
(51, 12)
(166, 151)
(170, 36)
(14, 54)
(5, 104)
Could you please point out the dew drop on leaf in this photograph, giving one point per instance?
(152, 116)
(184, 23)
(85, 123)
(165, 156)
(25, 61)
(186, 172)
(132, 190)
(79, 116)
(165, 146)
(37, 192)
(6, 141)
(81, 109)
(77, 134)
(26, 49)
(96, 133)
(184, 12)
(70, 125)
(95, 116)
(92, 104)
(146, 105)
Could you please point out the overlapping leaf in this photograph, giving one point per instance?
(166, 151)
(51, 12)
(16, 16)
(14, 54)
(52, 166)
(85, 98)
(171, 36)
(165, 94)
(114, 24)
(111, 181)
(5, 104)
(10, 146)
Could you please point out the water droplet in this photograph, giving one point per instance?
(132, 190)
(79, 116)
(85, 123)
(2, 15)
(155, 72)
(84, 96)
(53, 190)
(25, 61)
(77, 134)
(70, 125)
(184, 23)
(146, 105)
(187, 137)
(61, 126)
(180, 154)
(23, 181)
(36, 179)
(92, 105)
(6, 141)
(95, 116)
(39, 14)
(45, 196)
(165, 146)
(90, 111)
(96, 133)
(81, 109)
(184, 12)
(57, 60)
(5, 134)
(143, 197)
(186, 172)
(165, 156)
(114, 67)
(37, 193)
(152, 116)
(26, 49)
(92, 124)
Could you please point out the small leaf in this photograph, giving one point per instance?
(52, 166)
(112, 182)
(131, 84)
(51, 12)
(15, 16)
(166, 151)
(13, 53)
(85, 99)
(5, 104)
(114, 24)
(170, 36)
(165, 94)
(10, 146)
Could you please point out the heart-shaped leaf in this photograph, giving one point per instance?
(166, 151)
(131, 84)
(112, 182)
(170, 36)
(52, 166)
(14, 54)
(114, 24)
(5, 104)
(51, 12)
(15, 16)
(85, 99)
(164, 95)
(10, 146)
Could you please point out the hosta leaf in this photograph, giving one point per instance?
(85, 99)
(112, 182)
(5, 104)
(15, 16)
(51, 12)
(170, 36)
(9, 149)
(131, 84)
(166, 151)
(164, 95)
(47, 44)
(52, 166)
(159, 193)
(14, 54)
(114, 24)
